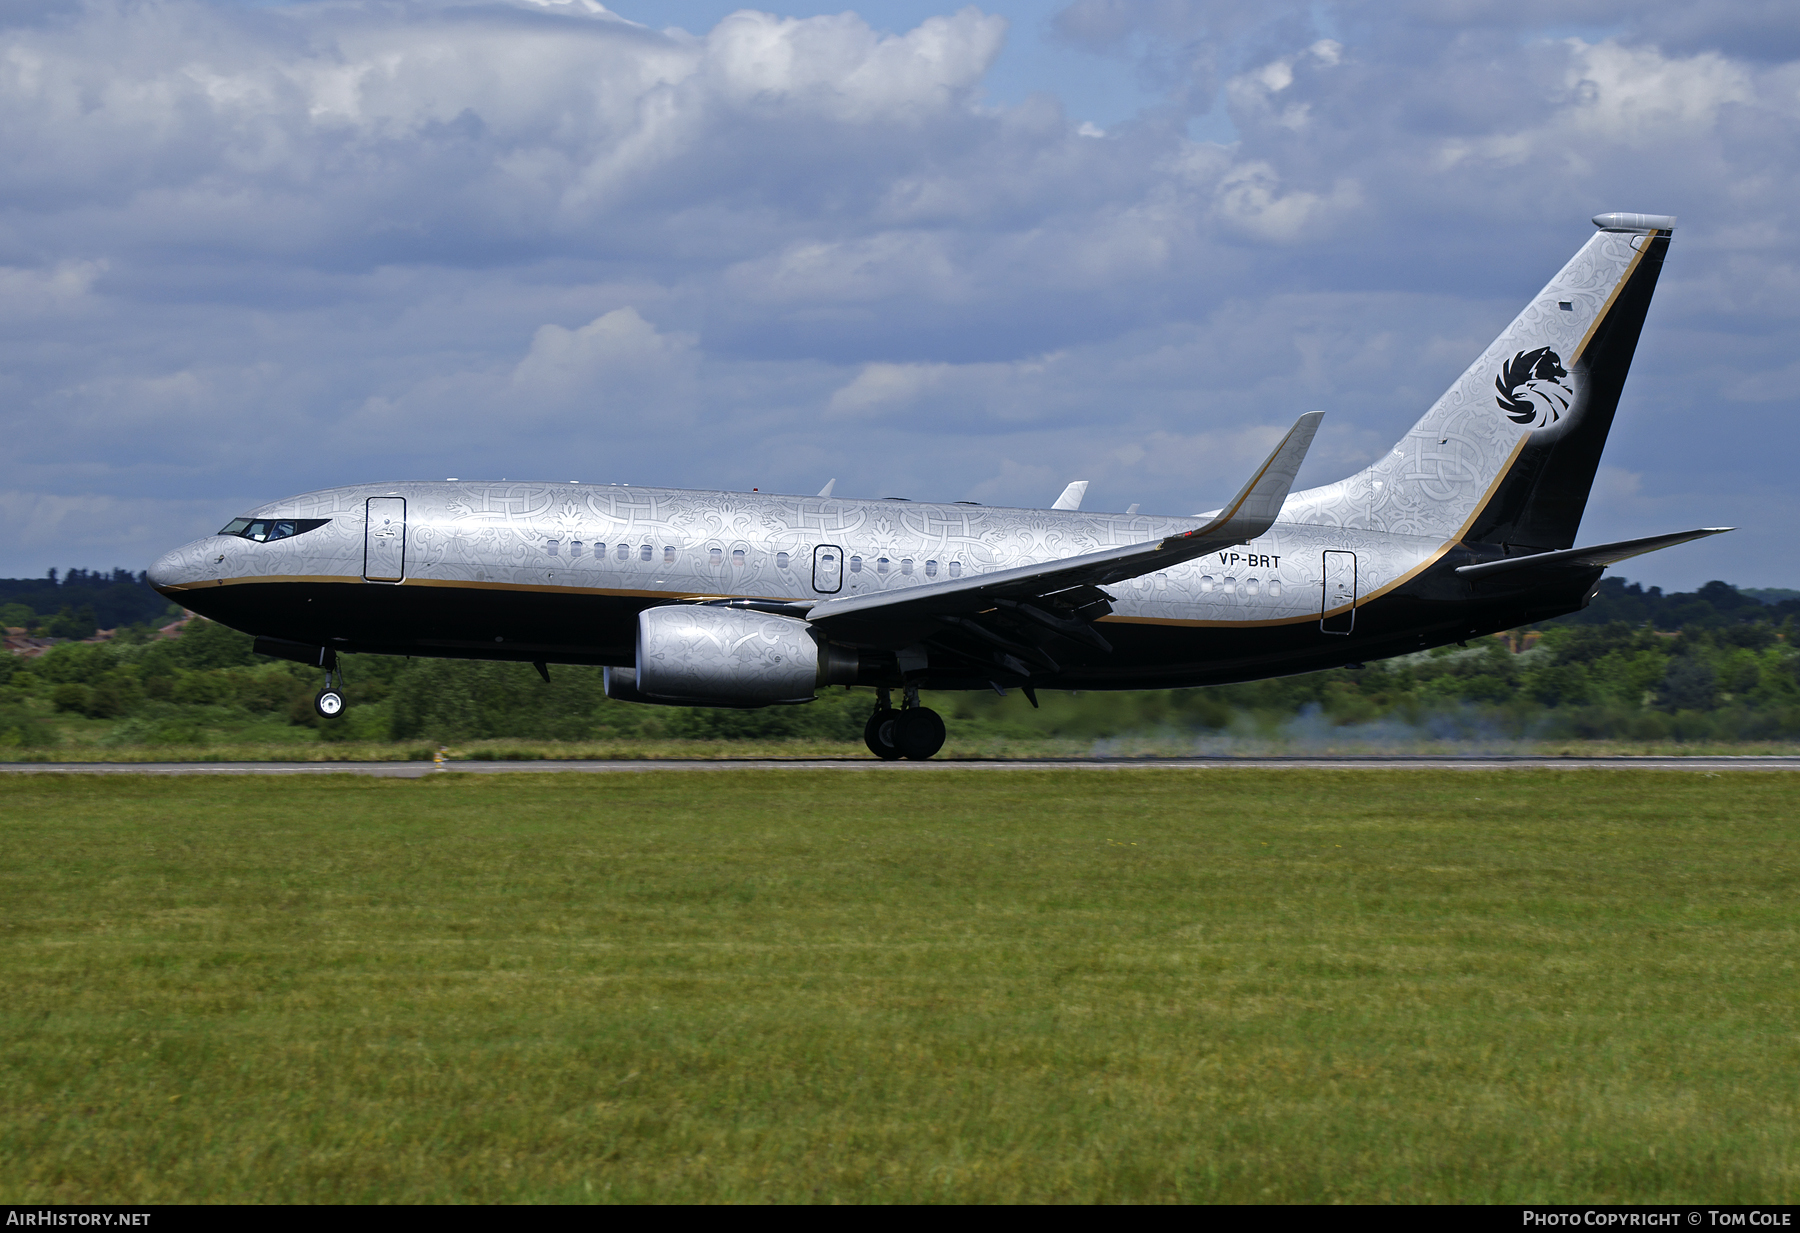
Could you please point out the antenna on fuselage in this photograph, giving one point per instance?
(1071, 496)
(829, 485)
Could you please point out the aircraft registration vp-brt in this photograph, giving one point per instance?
(1466, 527)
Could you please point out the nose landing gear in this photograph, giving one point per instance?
(913, 732)
(330, 701)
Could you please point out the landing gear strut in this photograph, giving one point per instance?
(913, 732)
(330, 701)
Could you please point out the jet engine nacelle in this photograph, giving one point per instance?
(697, 655)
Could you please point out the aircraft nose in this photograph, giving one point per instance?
(178, 568)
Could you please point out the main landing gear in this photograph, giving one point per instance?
(913, 732)
(330, 701)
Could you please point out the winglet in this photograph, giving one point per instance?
(1071, 496)
(1255, 509)
(829, 485)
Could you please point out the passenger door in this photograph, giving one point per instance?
(828, 569)
(384, 540)
(1337, 601)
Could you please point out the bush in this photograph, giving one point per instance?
(357, 723)
(19, 729)
(207, 644)
(72, 698)
(73, 624)
(447, 700)
(1689, 685)
(834, 716)
(86, 663)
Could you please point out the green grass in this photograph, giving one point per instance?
(959, 746)
(1230, 985)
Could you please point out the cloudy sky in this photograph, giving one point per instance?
(248, 250)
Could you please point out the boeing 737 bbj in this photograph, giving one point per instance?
(694, 598)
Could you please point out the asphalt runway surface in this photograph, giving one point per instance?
(417, 770)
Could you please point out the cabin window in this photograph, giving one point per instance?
(856, 565)
(715, 556)
(906, 565)
(550, 546)
(1162, 582)
(646, 552)
(1275, 588)
(1206, 583)
(599, 552)
(668, 554)
(624, 552)
(1567, 306)
(931, 569)
(737, 558)
(881, 565)
(1229, 586)
(1251, 586)
(574, 548)
(781, 560)
(956, 569)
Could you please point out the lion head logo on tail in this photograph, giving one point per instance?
(1534, 388)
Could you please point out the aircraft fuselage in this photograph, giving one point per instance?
(558, 572)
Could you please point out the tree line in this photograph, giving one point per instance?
(1716, 664)
(80, 602)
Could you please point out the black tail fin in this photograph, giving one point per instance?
(1539, 503)
(1508, 454)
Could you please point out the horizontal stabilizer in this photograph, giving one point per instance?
(1587, 558)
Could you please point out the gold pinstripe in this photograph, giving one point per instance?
(1606, 308)
(539, 588)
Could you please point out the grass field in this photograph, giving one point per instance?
(958, 747)
(1137, 986)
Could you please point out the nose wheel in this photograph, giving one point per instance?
(329, 702)
(913, 732)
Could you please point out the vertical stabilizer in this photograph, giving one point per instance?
(1508, 454)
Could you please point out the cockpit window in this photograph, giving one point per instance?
(262, 530)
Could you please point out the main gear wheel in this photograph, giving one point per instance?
(918, 733)
(878, 734)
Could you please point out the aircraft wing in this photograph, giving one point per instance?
(905, 615)
(1600, 554)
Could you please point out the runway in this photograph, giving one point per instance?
(417, 770)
